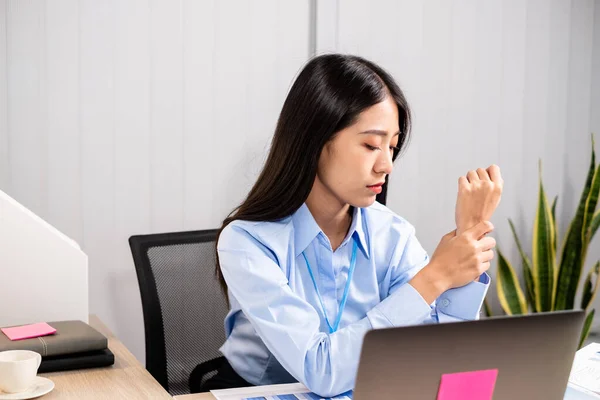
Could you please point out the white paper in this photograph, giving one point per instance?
(269, 392)
(243, 393)
(585, 374)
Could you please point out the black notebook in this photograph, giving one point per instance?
(71, 337)
(89, 359)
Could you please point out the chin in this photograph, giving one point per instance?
(364, 202)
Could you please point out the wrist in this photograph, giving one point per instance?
(466, 225)
(430, 283)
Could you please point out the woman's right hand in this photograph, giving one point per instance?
(457, 261)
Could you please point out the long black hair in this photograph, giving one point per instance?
(328, 95)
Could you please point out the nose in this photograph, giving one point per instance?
(384, 163)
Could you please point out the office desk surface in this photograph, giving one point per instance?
(126, 379)
(197, 396)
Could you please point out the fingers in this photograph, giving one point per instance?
(472, 176)
(484, 267)
(494, 173)
(491, 173)
(479, 230)
(487, 243)
(482, 174)
(486, 256)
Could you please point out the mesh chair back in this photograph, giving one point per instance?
(182, 302)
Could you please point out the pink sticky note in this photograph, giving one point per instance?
(474, 385)
(28, 331)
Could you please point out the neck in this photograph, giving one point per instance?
(332, 215)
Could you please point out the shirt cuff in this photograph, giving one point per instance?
(463, 303)
(403, 307)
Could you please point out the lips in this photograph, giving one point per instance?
(377, 188)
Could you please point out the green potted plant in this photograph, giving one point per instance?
(552, 277)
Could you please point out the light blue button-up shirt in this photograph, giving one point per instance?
(276, 329)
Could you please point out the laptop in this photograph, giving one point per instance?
(532, 353)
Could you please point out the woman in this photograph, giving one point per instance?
(311, 262)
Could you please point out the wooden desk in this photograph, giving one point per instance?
(197, 396)
(126, 379)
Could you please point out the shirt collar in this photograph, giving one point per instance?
(306, 229)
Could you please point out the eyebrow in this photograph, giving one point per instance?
(378, 132)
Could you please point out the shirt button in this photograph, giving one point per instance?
(445, 303)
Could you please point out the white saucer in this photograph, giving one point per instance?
(40, 387)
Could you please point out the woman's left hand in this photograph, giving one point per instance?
(478, 197)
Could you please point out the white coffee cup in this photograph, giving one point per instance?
(18, 369)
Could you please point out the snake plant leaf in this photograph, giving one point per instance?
(526, 268)
(553, 211)
(487, 308)
(529, 286)
(509, 290)
(590, 287)
(594, 225)
(586, 328)
(573, 248)
(544, 271)
(590, 207)
(592, 200)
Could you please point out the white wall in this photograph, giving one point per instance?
(504, 81)
(123, 117)
(128, 117)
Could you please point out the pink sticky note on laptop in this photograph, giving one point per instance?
(474, 385)
(28, 331)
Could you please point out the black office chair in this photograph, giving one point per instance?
(183, 305)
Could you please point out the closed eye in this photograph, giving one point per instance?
(373, 148)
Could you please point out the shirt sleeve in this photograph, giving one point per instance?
(289, 325)
(453, 305)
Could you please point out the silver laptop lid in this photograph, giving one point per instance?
(533, 355)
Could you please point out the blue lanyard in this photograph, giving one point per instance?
(346, 289)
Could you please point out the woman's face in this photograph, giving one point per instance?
(353, 165)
